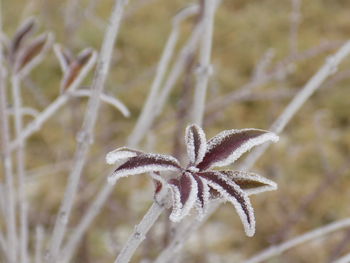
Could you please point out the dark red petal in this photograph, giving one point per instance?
(21, 34)
(251, 183)
(228, 146)
(196, 143)
(145, 163)
(232, 193)
(201, 193)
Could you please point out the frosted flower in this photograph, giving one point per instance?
(198, 183)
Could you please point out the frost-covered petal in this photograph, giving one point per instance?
(145, 163)
(202, 196)
(121, 154)
(250, 183)
(196, 143)
(188, 189)
(176, 197)
(231, 192)
(228, 146)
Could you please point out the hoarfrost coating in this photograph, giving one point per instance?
(196, 184)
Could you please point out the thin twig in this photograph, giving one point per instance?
(329, 68)
(105, 98)
(51, 109)
(39, 244)
(205, 69)
(312, 235)
(23, 233)
(85, 137)
(344, 259)
(10, 217)
(139, 233)
(148, 111)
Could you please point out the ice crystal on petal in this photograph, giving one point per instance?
(196, 183)
(251, 183)
(145, 163)
(228, 146)
(196, 143)
(177, 205)
(234, 194)
(121, 154)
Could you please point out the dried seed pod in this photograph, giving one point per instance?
(26, 58)
(76, 67)
(24, 31)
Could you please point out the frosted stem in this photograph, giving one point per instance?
(85, 137)
(20, 155)
(41, 118)
(105, 98)
(312, 235)
(329, 68)
(204, 69)
(39, 244)
(10, 207)
(139, 233)
(79, 231)
(147, 114)
(344, 259)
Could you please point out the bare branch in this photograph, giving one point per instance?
(85, 137)
(312, 235)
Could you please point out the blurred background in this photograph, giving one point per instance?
(264, 51)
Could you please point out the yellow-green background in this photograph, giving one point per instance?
(314, 146)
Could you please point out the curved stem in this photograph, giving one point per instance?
(319, 232)
(17, 99)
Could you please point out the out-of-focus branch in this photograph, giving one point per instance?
(21, 174)
(10, 216)
(204, 69)
(105, 98)
(281, 68)
(329, 68)
(295, 19)
(312, 235)
(39, 238)
(85, 138)
(148, 112)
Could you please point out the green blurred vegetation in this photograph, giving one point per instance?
(313, 151)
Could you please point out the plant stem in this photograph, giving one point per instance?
(51, 109)
(139, 233)
(85, 137)
(329, 68)
(17, 102)
(79, 231)
(147, 115)
(204, 70)
(319, 232)
(10, 205)
(39, 244)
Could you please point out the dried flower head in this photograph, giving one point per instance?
(74, 68)
(196, 184)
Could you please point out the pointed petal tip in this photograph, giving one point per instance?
(250, 232)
